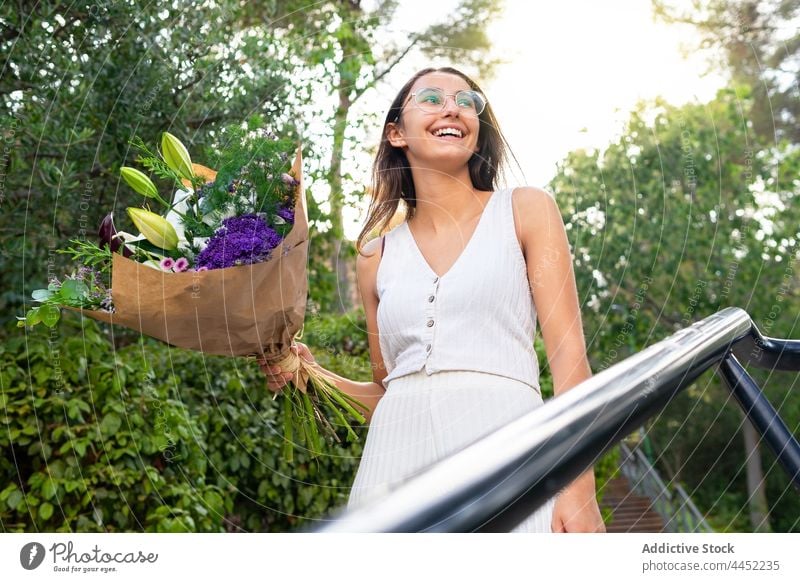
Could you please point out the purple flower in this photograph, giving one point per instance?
(166, 264)
(181, 265)
(107, 236)
(107, 304)
(289, 180)
(204, 188)
(287, 214)
(85, 273)
(241, 240)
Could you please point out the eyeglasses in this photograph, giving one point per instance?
(433, 100)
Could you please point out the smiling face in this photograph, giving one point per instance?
(431, 138)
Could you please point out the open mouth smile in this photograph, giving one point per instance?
(448, 133)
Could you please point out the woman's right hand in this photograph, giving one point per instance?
(276, 378)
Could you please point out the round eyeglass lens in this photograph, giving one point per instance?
(433, 100)
(472, 100)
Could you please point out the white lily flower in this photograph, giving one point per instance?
(127, 238)
(216, 217)
(201, 242)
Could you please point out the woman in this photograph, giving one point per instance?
(460, 284)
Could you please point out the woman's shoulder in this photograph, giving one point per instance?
(367, 262)
(533, 202)
(380, 240)
(534, 210)
(531, 194)
(371, 250)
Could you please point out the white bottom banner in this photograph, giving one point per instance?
(397, 557)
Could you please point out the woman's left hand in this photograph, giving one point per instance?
(576, 510)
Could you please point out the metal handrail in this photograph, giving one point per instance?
(676, 508)
(496, 482)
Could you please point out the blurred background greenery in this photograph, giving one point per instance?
(691, 208)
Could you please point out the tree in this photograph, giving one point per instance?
(757, 42)
(680, 217)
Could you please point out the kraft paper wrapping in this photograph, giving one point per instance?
(251, 310)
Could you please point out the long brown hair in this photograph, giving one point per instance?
(391, 174)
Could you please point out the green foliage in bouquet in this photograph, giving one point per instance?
(88, 287)
(252, 166)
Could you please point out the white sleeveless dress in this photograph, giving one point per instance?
(458, 349)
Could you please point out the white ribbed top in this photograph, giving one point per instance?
(478, 316)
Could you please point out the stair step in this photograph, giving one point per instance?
(630, 497)
(634, 529)
(630, 512)
(638, 506)
(629, 500)
(633, 515)
(652, 523)
(631, 506)
(638, 519)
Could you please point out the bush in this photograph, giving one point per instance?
(149, 438)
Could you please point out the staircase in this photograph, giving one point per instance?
(641, 501)
(630, 512)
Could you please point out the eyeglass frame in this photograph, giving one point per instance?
(412, 96)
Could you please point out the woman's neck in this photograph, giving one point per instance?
(445, 200)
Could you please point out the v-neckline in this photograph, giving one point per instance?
(463, 252)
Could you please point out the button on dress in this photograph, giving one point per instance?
(458, 350)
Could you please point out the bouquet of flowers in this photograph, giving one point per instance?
(222, 271)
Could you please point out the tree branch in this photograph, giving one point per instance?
(61, 28)
(197, 78)
(198, 123)
(20, 86)
(399, 57)
(10, 32)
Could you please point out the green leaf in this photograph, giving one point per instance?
(49, 489)
(49, 314)
(45, 510)
(214, 501)
(80, 446)
(72, 290)
(110, 424)
(14, 499)
(33, 316)
(41, 294)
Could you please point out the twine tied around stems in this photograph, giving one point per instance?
(301, 370)
(301, 407)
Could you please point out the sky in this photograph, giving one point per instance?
(576, 67)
